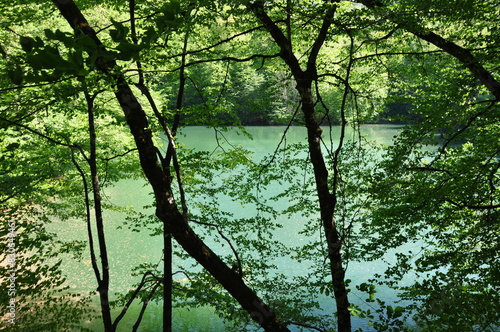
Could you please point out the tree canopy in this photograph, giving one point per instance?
(94, 94)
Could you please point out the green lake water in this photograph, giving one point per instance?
(128, 249)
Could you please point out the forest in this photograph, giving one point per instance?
(113, 217)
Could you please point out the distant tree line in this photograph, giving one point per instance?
(255, 96)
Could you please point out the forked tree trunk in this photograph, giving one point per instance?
(327, 198)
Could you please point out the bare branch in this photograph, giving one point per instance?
(144, 306)
(15, 123)
(474, 207)
(240, 270)
(221, 42)
(134, 296)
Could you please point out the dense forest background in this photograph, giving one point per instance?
(96, 93)
(253, 96)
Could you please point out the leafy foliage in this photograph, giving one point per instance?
(436, 186)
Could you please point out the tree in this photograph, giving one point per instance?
(158, 177)
(327, 197)
(396, 15)
(444, 169)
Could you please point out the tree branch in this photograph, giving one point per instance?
(462, 54)
(240, 270)
(320, 39)
(15, 123)
(285, 44)
(220, 42)
(472, 206)
(133, 297)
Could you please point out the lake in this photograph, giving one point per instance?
(128, 249)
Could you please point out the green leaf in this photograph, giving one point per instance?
(398, 311)
(65, 67)
(169, 15)
(35, 61)
(175, 5)
(12, 146)
(128, 51)
(87, 43)
(49, 34)
(59, 35)
(27, 43)
(170, 12)
(16, 75)
(76, 58)
(44, 59)
(149, 36)
(119, 33)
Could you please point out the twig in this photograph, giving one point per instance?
(240, 270)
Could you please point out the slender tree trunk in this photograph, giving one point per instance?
(105, 310)
(167, 237)
(103, 282)
(167, 282)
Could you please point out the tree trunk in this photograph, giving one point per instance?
(103, 281)
(327, 202)
(167, 282)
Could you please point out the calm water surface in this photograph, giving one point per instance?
(128, 249)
